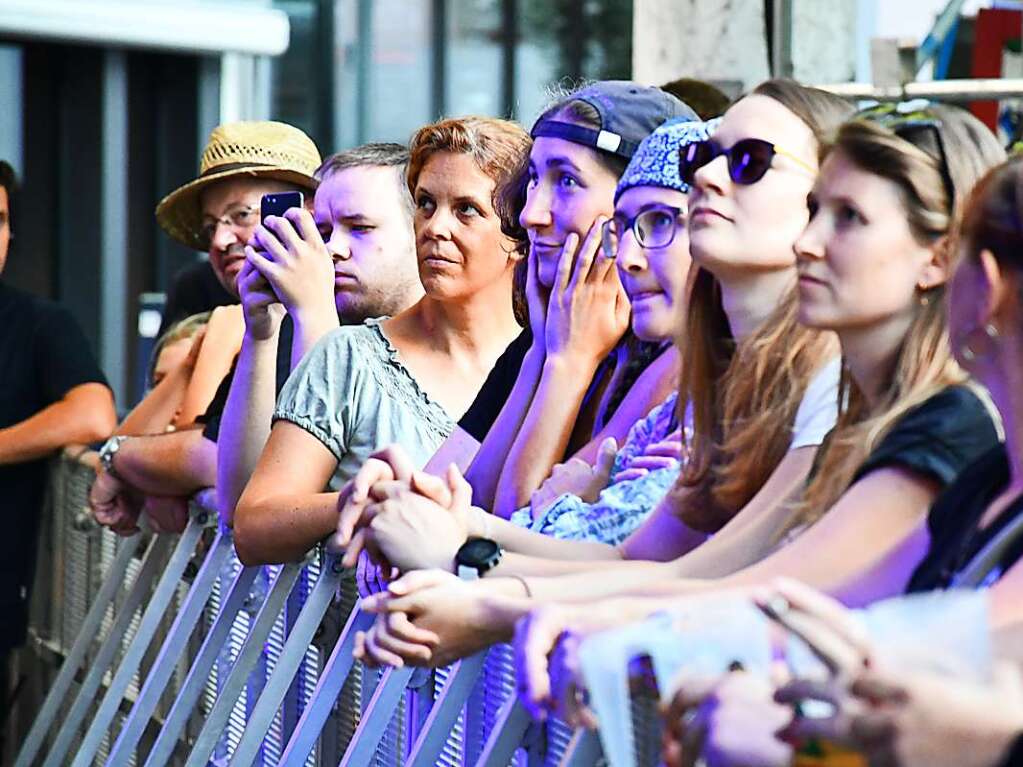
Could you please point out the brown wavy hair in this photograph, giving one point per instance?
(500, 148)
(924, 366)
(744, 396)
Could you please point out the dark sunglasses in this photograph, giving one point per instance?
(748, 159)
(907, 119)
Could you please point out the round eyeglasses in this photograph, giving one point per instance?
(241, 217)
(653, 227)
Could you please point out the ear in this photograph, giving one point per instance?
(510, 247)
(997, 288)
(937, 270)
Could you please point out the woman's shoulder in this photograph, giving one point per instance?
(951, 411)
(940, 436)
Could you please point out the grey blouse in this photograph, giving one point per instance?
(352, 392)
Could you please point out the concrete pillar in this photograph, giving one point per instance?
(725, 41)
(713, 40)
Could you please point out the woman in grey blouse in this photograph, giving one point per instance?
(405, 379)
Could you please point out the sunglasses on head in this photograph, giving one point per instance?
(910, 118)
(748, 159)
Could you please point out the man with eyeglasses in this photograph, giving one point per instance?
(217, 212)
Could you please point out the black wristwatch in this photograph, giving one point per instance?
(476, 557)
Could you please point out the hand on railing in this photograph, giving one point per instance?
(167, 514)
(430, 617)
(404, 518)
(545, 642)
(114, 504)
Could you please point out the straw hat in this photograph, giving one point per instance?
(254, 149)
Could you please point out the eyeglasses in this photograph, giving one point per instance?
(242, 217)
(913, 117)
(653, 227)
(748, 159)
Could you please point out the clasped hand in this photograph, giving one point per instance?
(401, 517)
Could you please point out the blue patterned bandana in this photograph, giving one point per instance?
(655, 163)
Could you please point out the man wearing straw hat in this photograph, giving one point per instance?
(217, 212)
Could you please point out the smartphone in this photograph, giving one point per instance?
(276, 204)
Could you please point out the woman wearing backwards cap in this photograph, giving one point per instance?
(581, 360)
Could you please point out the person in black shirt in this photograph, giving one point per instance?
(986, 315)
(52, 394)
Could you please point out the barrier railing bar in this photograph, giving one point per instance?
(445, 711)
(509, 731)
(159, 603)
(584, 750)
(295, 648)
(198, 673)
(173, 645)
(107, 652)
(328, 688)
(113, 581)
(211, 731)
(374, 720)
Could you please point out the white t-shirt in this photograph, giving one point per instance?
(818, 410)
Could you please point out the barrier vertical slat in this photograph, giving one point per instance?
(107, 652)
(198, 673)
(113, 580)
(445, 711)
(328, 688)
(173, 645)
(287, 666)
(509, 730)
(210, 733)
(584, 750)
(374, 720)
(158, 604)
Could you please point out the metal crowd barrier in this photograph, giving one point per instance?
(173, 653)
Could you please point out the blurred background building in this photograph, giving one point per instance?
(105, 104)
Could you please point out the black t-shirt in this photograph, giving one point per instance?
(484, 410)
(938, 438)
(215, 411)
(194, 289)
(954, 524)
(43, 355)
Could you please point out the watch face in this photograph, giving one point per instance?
(479, 552)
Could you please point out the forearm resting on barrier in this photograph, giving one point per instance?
(84, 415)
(178, 463)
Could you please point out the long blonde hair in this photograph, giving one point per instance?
(744, 396)
(924, 366)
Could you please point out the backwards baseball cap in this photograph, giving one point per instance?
(655, 163)
(629, 112)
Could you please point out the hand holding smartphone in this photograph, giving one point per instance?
(278, 203)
